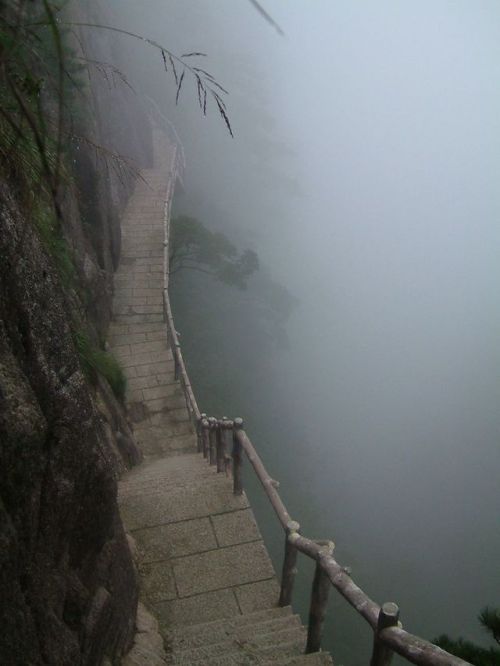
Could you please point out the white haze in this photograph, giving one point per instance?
(365, 171)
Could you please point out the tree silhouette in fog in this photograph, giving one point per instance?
(194, 247)
(475, 654)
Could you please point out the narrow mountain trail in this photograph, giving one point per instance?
(205, 573)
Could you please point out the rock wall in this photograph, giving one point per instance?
(68, 587)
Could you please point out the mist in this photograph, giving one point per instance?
(364, 172)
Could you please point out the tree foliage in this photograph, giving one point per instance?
(39, 79)
(193, 246)
(475, 654)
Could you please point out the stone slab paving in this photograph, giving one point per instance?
(138, 335)
(200, 554)
(194, 539)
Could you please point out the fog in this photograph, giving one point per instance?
(364, 172)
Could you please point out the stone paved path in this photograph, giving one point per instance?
(205, 572)
(138, 335)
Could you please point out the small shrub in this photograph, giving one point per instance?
(97, 361)
(55, 243)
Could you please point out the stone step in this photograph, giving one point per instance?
(189, 447)
(157, 381)
(174, 405)
(184, 632)
(167, 467)
(141, 355)
(152, 484)
(152, 454)
(164, 420)
(139, 319)
(173, 415)
(226, 631)
(194, 499)
(252, 654)
(192, 466)
(168, 430)
(169, 393)
(314, 659)
(120, 329)
(161, 447)
(176, 477)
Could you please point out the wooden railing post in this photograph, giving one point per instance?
(220, 444)
(227, 439)
(289, 564)
(212, 440)
(227, 436)
(205, 433)
(237, 458)
(175, 352)
(319, 601)
(388, 617)
(199, 432)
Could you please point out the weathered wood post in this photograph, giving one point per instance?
(388, 617)
(212, 440)
(237, 458)
(164, 299)
(220, 443)
(319, 601)
(175, 352)
(227, 439)
(205, 427)
(289, 564)
(199, 432)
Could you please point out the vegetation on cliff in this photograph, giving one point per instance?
(42, 134)
(68, 590)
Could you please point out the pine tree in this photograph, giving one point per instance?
(475, 654)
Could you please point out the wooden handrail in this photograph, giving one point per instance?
(267, 482)
(412, 648)
(417, 650)
(337, 574)
(389, 636)
(180, 371)
(180, 367)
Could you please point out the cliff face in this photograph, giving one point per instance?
(68, 589)
(67, 581)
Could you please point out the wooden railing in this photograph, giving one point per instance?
(223, 442)
(180, 371)
(388, 634)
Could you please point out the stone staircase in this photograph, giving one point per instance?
(272, 636)
(206, 575)
(208, 588)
